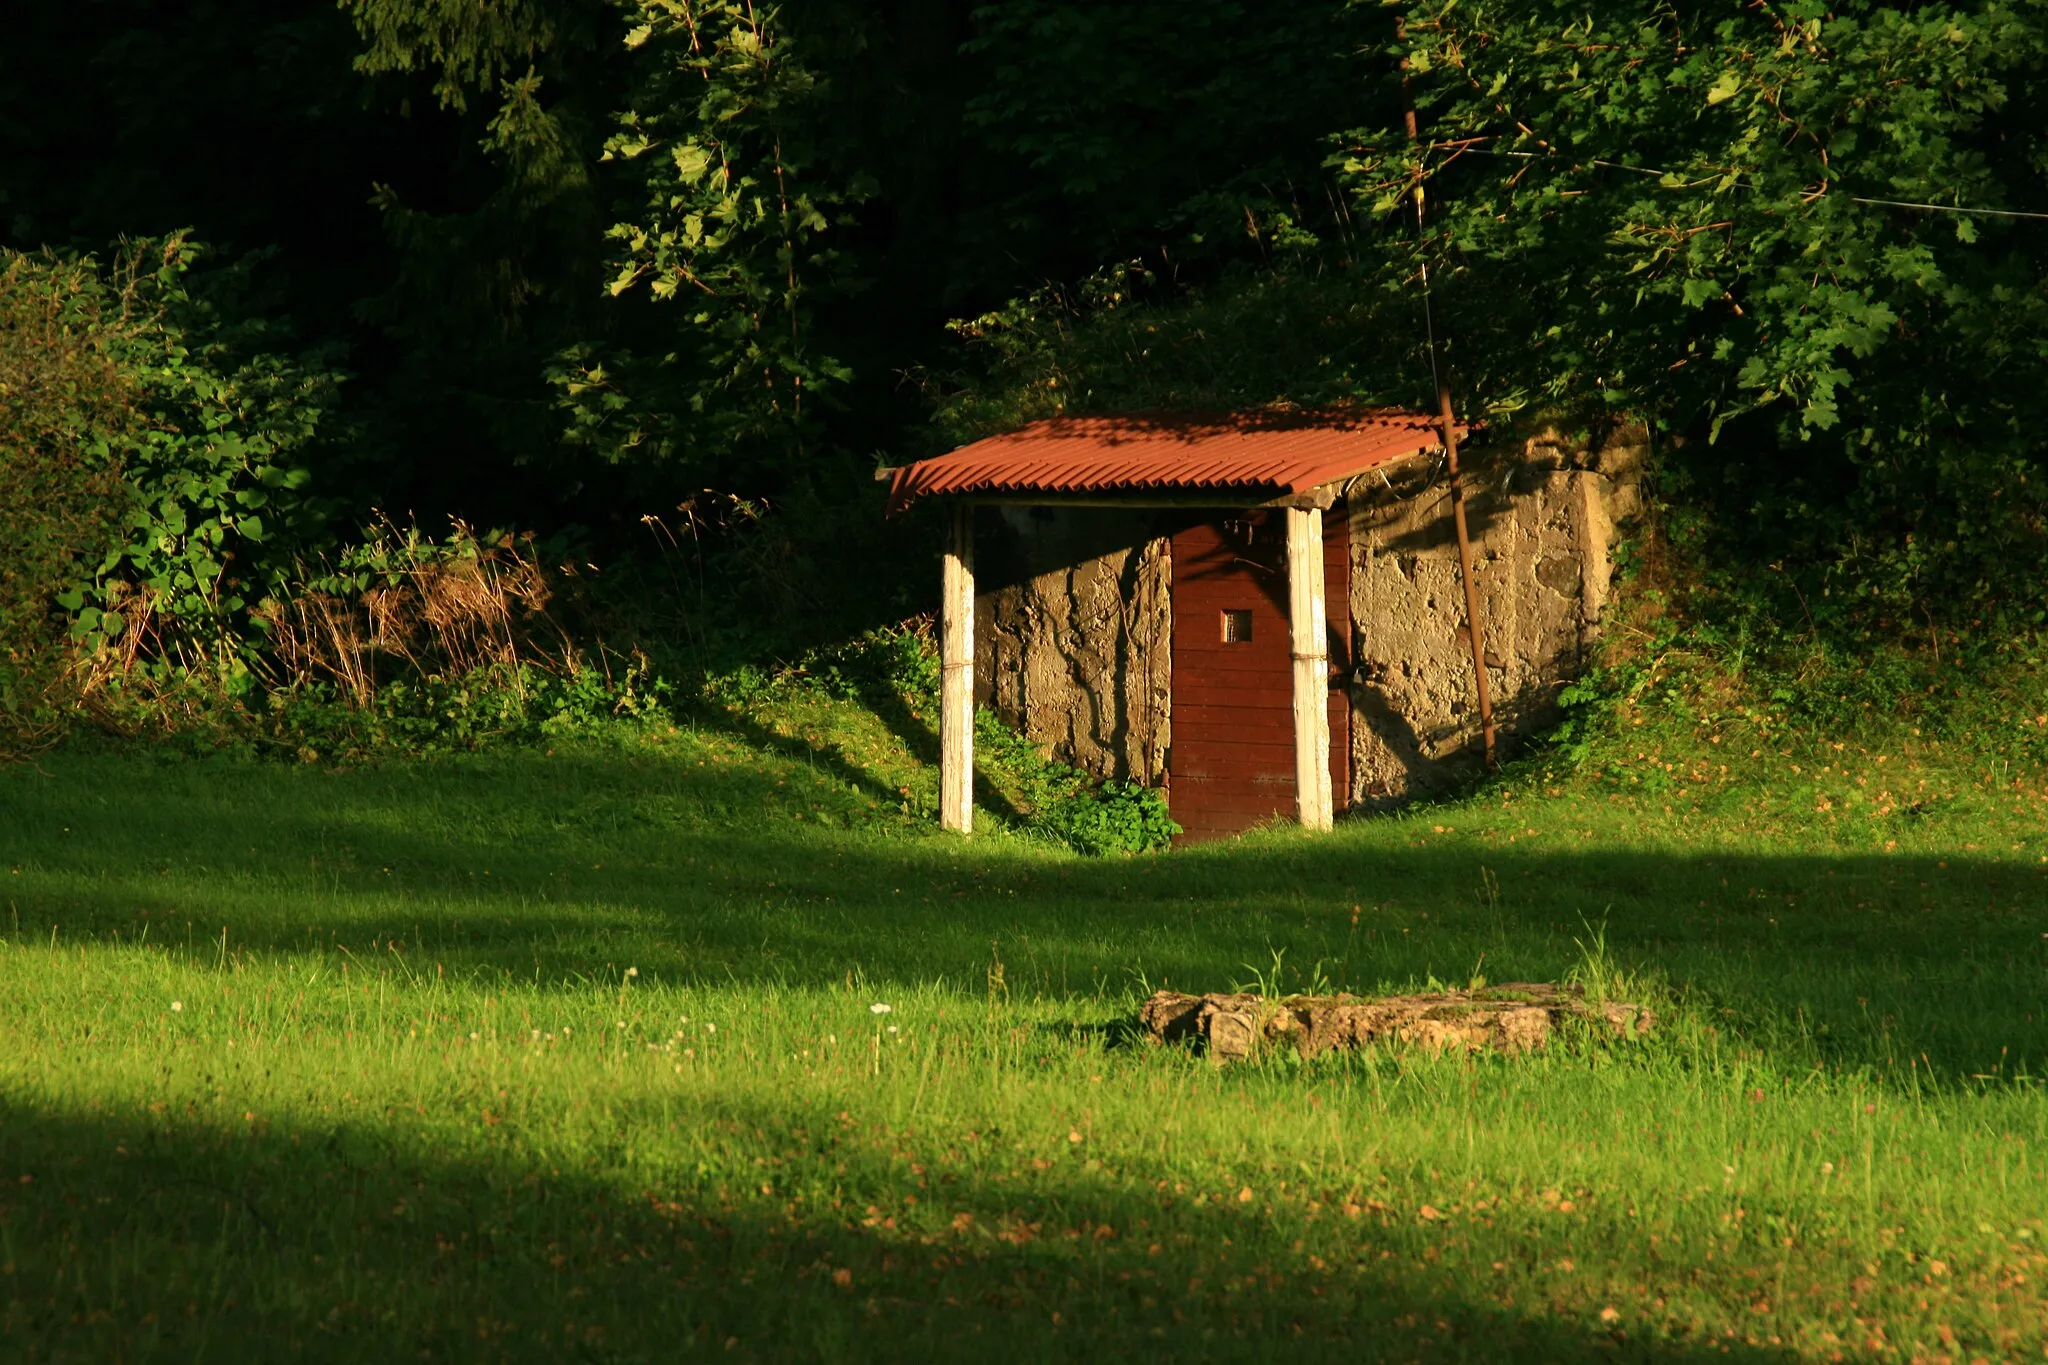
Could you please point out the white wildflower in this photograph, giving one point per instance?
(177, 1007)
(879, 1008)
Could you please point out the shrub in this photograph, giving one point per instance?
(152, 475)
(65, 408)
(1116, 817)
(216, 464)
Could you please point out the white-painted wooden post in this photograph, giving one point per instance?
(956, 680)
(1307, 623)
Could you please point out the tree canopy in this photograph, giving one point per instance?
(1795, 234)
(565, 261)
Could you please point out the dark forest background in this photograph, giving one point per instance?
(426, 195)
(624, 301)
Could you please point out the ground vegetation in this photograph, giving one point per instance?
(690, 1031)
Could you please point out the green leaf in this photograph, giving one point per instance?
(691, 162)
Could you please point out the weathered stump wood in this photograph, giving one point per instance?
(1516, 1017)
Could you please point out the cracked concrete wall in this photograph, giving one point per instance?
(1073, 636)
(1543, 513)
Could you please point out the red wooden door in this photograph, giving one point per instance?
(1232, 761)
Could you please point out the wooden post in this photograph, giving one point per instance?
(1307, 621)
(956, 678)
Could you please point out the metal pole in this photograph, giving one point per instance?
(1475, 626)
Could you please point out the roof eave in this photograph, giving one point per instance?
(1239, 498)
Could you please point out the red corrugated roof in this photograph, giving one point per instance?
(1258, 455)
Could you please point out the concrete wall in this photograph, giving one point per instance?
(1074, 632)
(1543, 514)
(1073, 637)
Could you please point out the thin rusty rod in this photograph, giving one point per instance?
(1475, 625)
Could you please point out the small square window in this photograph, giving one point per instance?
(1237, 627)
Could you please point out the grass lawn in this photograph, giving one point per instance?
(576, 1055)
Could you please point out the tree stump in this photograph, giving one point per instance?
(1512, 1018)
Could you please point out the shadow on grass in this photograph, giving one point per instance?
(132, 1236)
(915, 736)
(568, 869)
(799, 751)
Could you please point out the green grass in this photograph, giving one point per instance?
(572, 1055)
